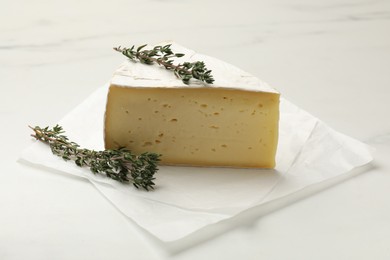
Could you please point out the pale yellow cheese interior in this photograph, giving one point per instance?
(195, 126)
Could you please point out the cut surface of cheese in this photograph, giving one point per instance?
(232, 123)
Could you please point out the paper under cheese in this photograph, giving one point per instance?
(233, 122)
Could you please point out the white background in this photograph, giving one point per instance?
(331, 58)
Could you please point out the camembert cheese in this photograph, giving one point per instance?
(233, 122)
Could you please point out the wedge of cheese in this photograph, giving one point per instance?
(232, 123)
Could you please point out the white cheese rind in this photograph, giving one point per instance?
(136, 74)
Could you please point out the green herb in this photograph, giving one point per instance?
(162, 55)
(120, 165)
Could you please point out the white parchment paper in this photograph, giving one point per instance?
(187, 199)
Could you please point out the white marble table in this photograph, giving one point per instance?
(331, 58)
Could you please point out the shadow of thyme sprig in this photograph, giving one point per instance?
(120, 165)
(162, 55)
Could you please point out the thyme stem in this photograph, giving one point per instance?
(163, 56)
(120, 165)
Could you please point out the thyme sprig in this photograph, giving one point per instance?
(120, 165)
(162, 55)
